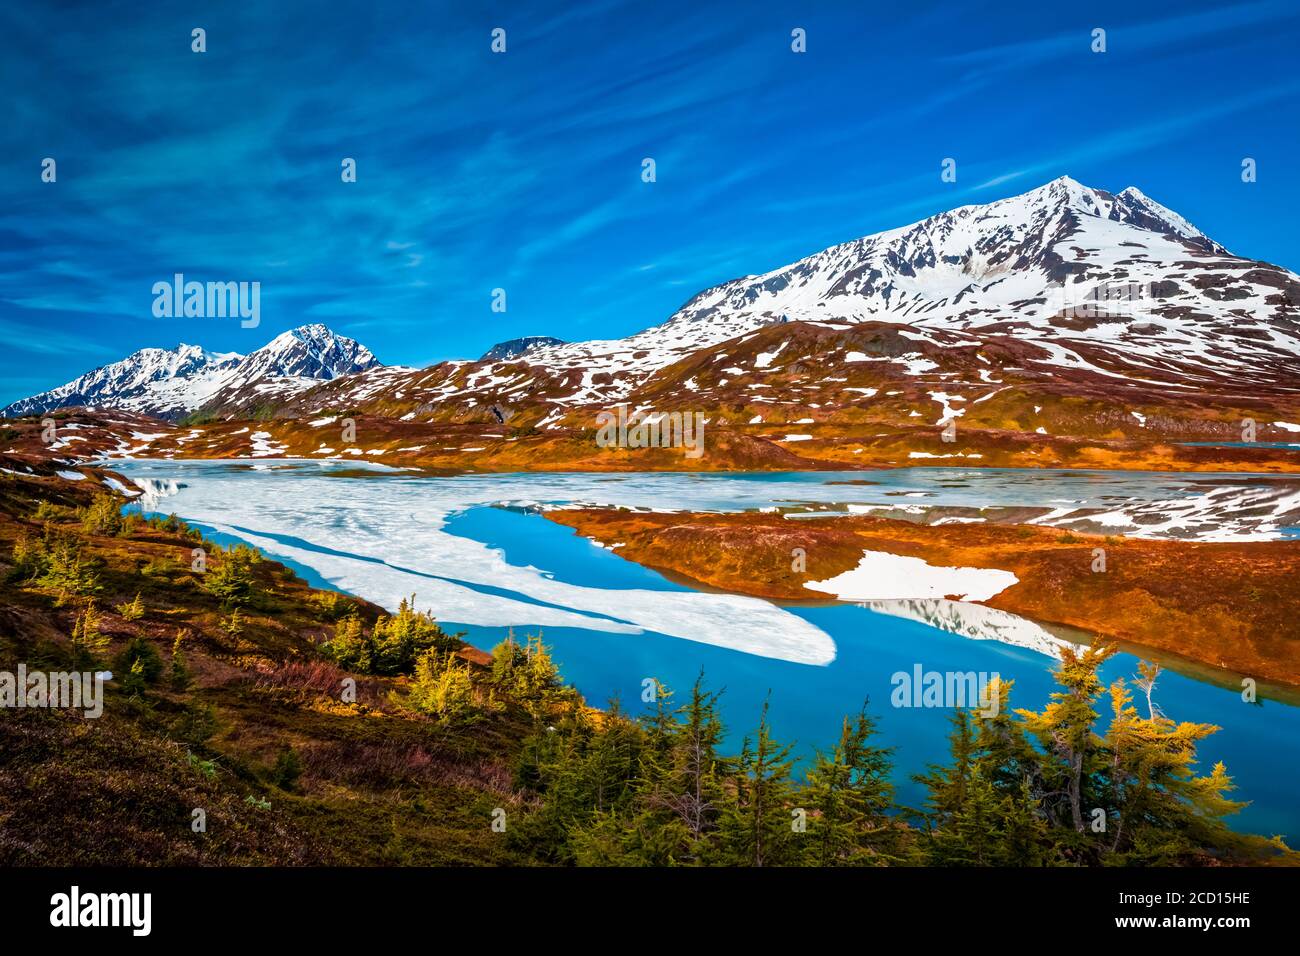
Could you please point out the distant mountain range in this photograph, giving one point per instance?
(1066, 309)
(1110, 298)
(170, 383)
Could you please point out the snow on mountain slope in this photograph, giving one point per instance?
(1064, 265)
(169, 383)
(291, 362)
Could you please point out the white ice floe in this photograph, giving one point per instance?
(397, 546)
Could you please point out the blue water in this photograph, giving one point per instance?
(1260, 743)
(320, 516)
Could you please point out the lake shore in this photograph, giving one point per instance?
(477, 447)
(1228, 605)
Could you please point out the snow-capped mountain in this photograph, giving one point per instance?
(170, 383)
(513, 348)
(1077, 288)
(1066, 266)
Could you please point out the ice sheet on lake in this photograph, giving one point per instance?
(398, 546)
(308, 512)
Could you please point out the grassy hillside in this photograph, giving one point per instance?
(253, 727)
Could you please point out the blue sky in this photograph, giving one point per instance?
(523, 170)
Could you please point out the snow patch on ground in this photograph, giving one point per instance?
(881, 575)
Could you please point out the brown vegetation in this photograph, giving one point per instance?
(1233, 606)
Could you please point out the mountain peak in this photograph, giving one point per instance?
(1016, 263)
(514, 348)
(171, 382)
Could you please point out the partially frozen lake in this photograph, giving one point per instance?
(473, 552)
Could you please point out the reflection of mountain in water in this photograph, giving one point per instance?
(974, 621)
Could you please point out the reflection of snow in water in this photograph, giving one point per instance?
(975, 621)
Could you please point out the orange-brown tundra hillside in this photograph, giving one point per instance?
(1234, 606)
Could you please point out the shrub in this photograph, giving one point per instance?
(88, 644)
(179, 674)
(233, 625)
(132, 610)
(287, 769)
(140, 656)
(158, 567)
(393, 644)
(443, 688)
(101, 516)
(528, 673)
(48, 511)
(66, 571)
(231, 581)
(332, 606)
(196, 724)
(30, 560)
(207, 768)
(133, 682)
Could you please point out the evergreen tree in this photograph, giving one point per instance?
(756, 820)
(139, 657)
(1163, 812)
(66, 572)
(179, 675)
(849, 795)
(102, 516)
(88, 644)
(443, 688)
(948, 785)
(1071, 748)
(692, 788)
(132, 610)
(231, 580)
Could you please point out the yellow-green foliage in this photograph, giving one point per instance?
(528, 673)
(101, 516)
(232, 578)
(67, 572)
(179, 674)
(233, 625)
(49, 511)
(88, 644)
(332, 605)
(158, 567)
(30, 559)
(443, 688)
(132, 610)
(393, 645)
